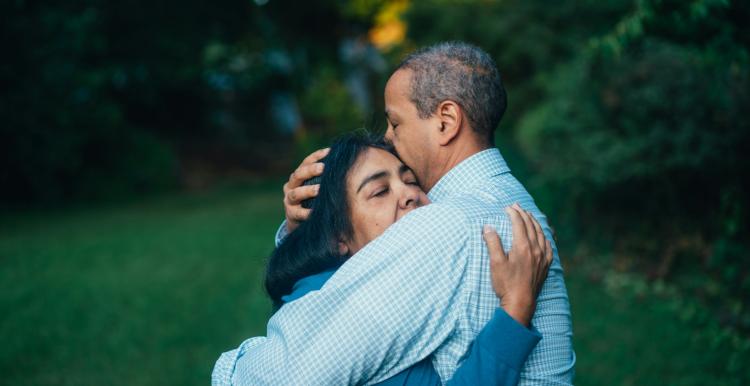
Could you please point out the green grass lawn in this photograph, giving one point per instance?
(152, 292)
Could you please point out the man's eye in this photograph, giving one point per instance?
(415, 183)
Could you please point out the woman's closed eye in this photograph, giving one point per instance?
(381, 192)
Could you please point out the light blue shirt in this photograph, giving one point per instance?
(495, 357)
(423, 287)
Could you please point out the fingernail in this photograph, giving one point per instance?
(517, 206)
(488, 228)
(317, 188)
(326, 150)
(320, 167)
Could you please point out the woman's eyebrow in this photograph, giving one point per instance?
(371, 178)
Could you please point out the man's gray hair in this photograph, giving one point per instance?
(462, 73)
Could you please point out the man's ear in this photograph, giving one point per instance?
(450, 116)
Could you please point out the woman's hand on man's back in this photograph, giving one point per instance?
(518, 276)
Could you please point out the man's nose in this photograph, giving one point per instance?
(388, 135)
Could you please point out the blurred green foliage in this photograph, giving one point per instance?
(94, 91)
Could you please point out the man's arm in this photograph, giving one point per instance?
(388, 307)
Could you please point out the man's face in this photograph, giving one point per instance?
(409, 134)
(380, 190)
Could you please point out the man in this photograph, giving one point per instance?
(423, 287)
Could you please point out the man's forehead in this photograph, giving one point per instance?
(397, 92)
(398, 83)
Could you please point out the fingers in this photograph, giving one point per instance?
(302, 193)
(293, 199)
(303, 173)
(520, 239)
(540, 238)
(498, 260)
(316, 156)
(530, 231)
(309, 168)
(297, 214)
(543, 270)
(494, 245)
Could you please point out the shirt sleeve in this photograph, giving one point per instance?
(281, 233)
(225, 365)
(553, 360)
(388, 307)
(495, 358)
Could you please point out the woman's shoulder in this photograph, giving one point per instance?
(308, 284)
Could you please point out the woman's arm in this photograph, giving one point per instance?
(495, 358)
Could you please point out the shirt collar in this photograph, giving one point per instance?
(468, 173)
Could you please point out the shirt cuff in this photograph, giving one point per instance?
(224, 368)
(508, 340)
(281, 233)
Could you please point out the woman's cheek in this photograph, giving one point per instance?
(382, 221)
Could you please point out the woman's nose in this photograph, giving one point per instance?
(409, 197)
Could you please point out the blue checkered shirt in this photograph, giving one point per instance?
(423, 287)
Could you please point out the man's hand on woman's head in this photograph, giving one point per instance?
(518, 276)
(295, 192)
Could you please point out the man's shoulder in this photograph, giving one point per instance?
(437, 215)
(480, 203)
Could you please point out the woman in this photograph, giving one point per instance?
(364, 189)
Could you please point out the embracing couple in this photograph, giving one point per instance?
(391, 267)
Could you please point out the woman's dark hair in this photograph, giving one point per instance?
(313, 247)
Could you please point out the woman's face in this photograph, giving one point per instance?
(380, 189)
